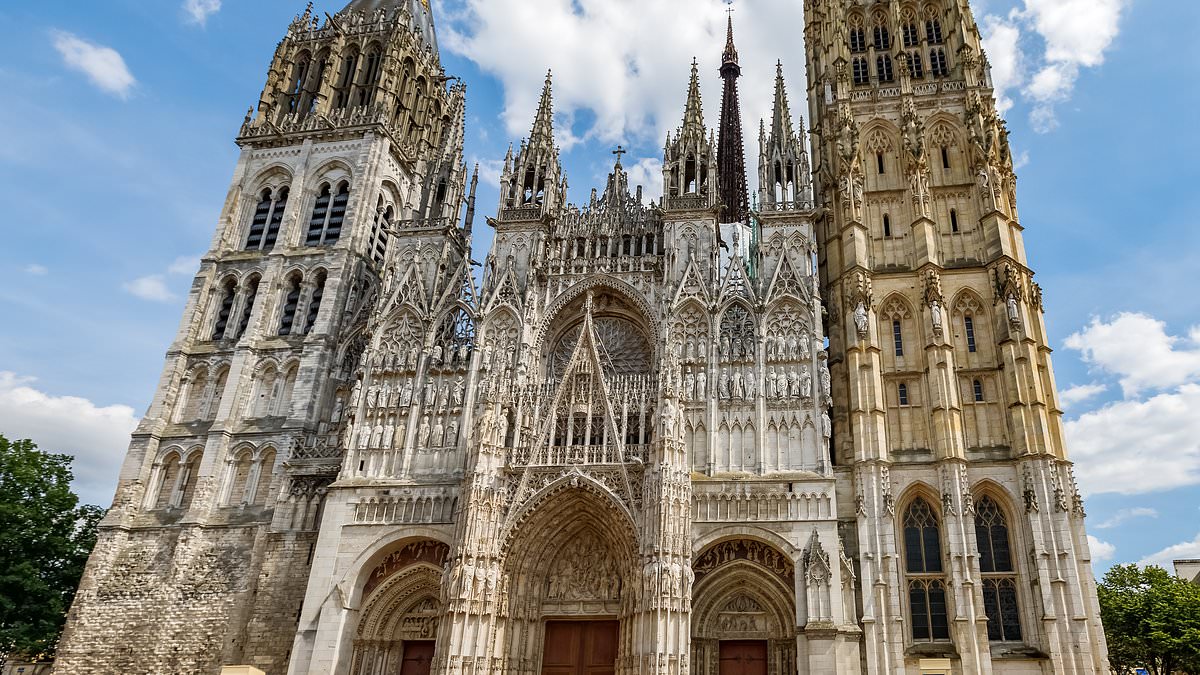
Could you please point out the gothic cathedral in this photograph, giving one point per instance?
(810, 430)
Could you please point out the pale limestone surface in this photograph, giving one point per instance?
(362, 442)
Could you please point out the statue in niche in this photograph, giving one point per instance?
(355, 395)
(668, 418)
(401, 434)
(411, 361)
(435, 356)
(464, 354)
(430, 393)
(702, 385)
(439, 434)
(502, 427)
(385, 395)
(452, 433)
(751, 386)
(423, 432)
(364, 437)
(460, 388)
(772, 348)
(793, 346)
(793, 384)
(772, 381)
(724, 347)
(389, 434)
(339, 405)
(738, 349)
(486, 362)
(805, 345)
(377, 436)
(724, 385)
(372, 396)
(826, 382)
(689, 386)
(739, 385)
(805, 382)
(1014, 313)
(406, 393)
(935, 314)
(702, 349)
(826, 426)
(861, 322)
(690, 350)
(443, 396)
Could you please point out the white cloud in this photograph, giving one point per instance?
(1137, 348)
(184, 266)
(36, 270)
(1101, 550)
(1113, 445)
(102, 65)
(96, 436)
(489, 170)
(614, 59)
(1185, 551)
(647, 172)
(1125, 515)
(1074, 34)
(1080, 393)
(152, 287)
(198, 11)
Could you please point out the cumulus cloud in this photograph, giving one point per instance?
(1187, 550)
(36, 270)
(1079, 393)
(647, 172)
(614, 60)
(1101, 550)
(184, 265)
(97, 436)
(152, 287)
(1137, 348)
(1074, 34)
(1114, 445)
(1125, 515)
(102, 65)
(198, 11)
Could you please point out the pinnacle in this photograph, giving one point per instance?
(693, 113)
(543, 123)
(781, 119)
(731, 55)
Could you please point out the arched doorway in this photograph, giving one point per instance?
(401, 608)
(743, 610)
(571, 569)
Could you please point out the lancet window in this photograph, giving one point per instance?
(314, 303)
(300, 76)
(329, 212)
(228, 295)
(250, 296)
(377, 247)
(738, 337)
(456, 340)
(999, 575)
(341, 96)
(883, 68)
(368, 78)
(924, 573)
(291, 300)
(860, 72)
(268, 216)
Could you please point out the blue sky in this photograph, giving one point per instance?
(120, 118)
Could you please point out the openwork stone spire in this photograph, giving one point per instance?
(693, 112)
(731, 159)
(543, 124)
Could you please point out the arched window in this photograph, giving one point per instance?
(902, 393)
(264, 392)
(883, 38)
(937, 63)
(883, 67)
(969, 325)
(314, 303)
(916, 65)
(923, 568)
(953, 220)
(329, 211)
(291, 300)
(341, 95)
(999, 576)
(212, 406)
(945, 157)
(168, 476)
(377, 247)
(239, 477)
(268, 215)
(369, 78)
(185, 486)
(887, 225)
(247, 307)
(317, 78)
(898, 337)
(977, 388)
(299, 81)
(861, 75)
(909, 34)
(264, 470)
(228, 294)
(880, 166)
(933, 31)
(858, 40)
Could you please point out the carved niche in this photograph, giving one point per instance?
(728, 552)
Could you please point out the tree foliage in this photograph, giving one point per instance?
(1151, 619)
(45, 539)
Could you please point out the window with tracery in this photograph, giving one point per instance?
(456, 339)
(329, 212)
(933, 31)
(924, 573)
(938, 66)
(377, 247)
(228, 294)
(738, 337)
(247, 307)
(268, 216)
(341, 96)
(314, 303)
(999, 575)
(291, 300)
(916, 66)
(883, 67)
(860, 72)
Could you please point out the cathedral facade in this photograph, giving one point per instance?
(812, 429)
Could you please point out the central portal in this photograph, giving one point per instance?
(580, 648)
(744, 658)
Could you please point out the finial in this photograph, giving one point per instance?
(618, 152)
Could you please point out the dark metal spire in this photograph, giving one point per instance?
(731, 158)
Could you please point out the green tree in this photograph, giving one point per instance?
(1151, 619)
(45, 539)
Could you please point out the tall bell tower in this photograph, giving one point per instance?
(966, 521)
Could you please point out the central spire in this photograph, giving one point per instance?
(731, 159)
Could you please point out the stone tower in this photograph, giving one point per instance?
(354, 150)
(962, 510)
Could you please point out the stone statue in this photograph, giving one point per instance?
(452, 433)
(826, 382)
(723, 392)
(793, 382)
(702, 385)
(861, 322)
(487, 356)
(1014, 314)
(436, 355)
(772, 380)
(423, 432)
(739, 385)
(389, 435)
(805, 382)
(826, 426)
(805, 346)
(439, 434)
(406, 393)
(689, 386)
(935, 313)
(460, 388)
(751, 386)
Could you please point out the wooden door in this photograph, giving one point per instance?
(580, 648)
(418, 657)
(744, 658)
